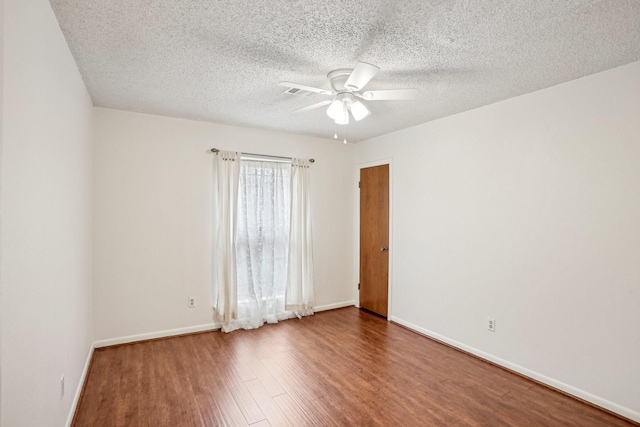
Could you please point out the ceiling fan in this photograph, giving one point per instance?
(347, 85)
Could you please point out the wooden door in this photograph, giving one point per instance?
(374, 239)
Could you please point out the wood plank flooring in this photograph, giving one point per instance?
(342, 367)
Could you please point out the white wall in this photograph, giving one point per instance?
(45, 236)
(527, 210)
(1, 138)
(153, 215)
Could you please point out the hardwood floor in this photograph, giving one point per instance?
(336, 368)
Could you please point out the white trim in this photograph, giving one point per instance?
(388, 161)
(596, 400)
(335, 305)
(374, 163)
(158, 334)
(76, 397)
(192, 329)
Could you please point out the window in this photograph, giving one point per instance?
(262, 241)
(263, 249)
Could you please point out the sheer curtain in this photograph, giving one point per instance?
(300, 294)
(263, 261)
(224, 292)
(262, 243)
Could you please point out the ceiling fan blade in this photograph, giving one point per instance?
(361, 75)
(307, 88)
(314, 106)
(390, 95)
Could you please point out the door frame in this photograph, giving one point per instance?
(356, 268)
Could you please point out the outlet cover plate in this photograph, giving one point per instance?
(491, 324)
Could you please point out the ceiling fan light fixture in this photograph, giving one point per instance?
(343, 117)
(335, 110)
(358, 110)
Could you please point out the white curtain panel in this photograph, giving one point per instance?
(224, 292)
(262, 243)
(300, 296)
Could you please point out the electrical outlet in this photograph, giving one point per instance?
(61, 387)
(192, 302)
(491, 324)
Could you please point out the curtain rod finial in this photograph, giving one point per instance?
(215, 150)
(312, 160)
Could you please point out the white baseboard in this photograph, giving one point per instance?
(76, 397)
(158, 334)
(613, 407)
(191, 329)
(333, 306)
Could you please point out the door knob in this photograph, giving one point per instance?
(384, 249)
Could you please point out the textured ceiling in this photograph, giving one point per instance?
(221, 60)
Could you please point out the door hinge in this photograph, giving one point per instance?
(358, 286)
(358, 184)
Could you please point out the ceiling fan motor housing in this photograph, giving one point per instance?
(338, 78)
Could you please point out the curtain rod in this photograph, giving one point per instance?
(216, 151)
